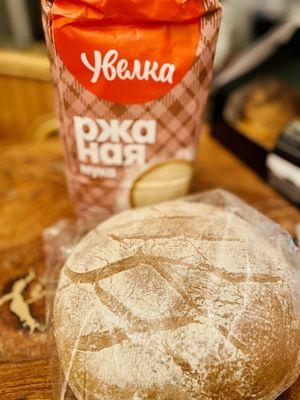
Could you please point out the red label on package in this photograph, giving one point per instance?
(127, 64)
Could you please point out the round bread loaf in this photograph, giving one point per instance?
(178, 301)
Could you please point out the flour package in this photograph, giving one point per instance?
(132, 80)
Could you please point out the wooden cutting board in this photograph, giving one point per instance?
(33, 196)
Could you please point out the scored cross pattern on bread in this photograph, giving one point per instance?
(177, 301)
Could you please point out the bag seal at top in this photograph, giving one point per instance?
(132, 11)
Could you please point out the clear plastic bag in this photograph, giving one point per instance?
(246, 331)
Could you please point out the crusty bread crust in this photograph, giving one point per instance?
(178, 301)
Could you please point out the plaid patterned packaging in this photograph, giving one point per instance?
(98, 189)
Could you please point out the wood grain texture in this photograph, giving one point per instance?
(25, 104)
(25, 381)
(33, 196)
(26, 95)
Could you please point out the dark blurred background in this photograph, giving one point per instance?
(20, 22)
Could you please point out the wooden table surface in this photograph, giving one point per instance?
(33, 197)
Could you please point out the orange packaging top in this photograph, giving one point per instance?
(132, 11)
(129, 51)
